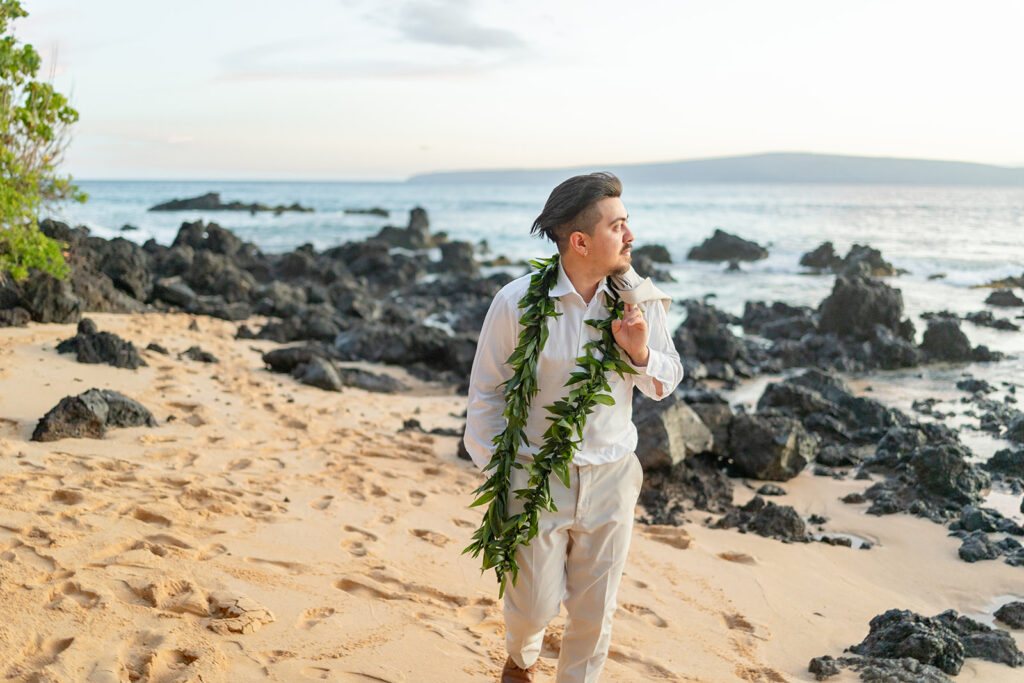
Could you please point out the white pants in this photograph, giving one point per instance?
(579, 553)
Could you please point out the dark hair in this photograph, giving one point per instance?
(571, 206)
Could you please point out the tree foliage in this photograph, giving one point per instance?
(34, 126)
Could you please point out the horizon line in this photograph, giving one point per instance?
(406, 178)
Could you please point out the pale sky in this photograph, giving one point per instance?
(357, 89)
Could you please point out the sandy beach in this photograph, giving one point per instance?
(274, 531)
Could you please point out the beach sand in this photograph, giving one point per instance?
(274, 531)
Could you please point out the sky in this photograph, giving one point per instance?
(364, 90)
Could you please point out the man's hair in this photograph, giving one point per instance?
(572, 206)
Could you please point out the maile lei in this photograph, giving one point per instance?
(500, 534)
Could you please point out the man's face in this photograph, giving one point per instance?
(610, 245)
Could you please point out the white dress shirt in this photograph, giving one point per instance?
(609, 433)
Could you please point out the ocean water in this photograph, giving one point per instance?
(970, 236)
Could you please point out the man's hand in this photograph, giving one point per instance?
(631, 334)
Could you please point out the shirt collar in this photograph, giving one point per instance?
(564, 285)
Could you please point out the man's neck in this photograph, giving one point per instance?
(583, 280)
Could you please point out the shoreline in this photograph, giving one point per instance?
(318, 509)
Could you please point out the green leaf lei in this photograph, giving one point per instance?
(500, 534)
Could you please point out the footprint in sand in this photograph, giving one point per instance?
(363, 590)
(419, 593)
(108, 669)
(741, 558)
(292, 423)
(39, 654)
(212, 551)
(150, 517)
(169, 541)
(74, 591)
(194, 412)
(239, 464)
(279, 565)
(170, 665)
(67, 497)
(417, 497)
(274, 656)
(737, 622)
(170, 595)
(463, 523)
(651, 669)
(322, 503)
(29, 557)
(645, 613)
(313, 616)
(357, 546)
(674, 536)
(440, 540)
(482, 615)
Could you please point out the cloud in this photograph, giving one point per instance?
(449, 23)
(418, 39)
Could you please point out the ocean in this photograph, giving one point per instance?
(967, 235)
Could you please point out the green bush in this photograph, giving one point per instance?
(34, 125)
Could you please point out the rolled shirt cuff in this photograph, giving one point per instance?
(658, 366)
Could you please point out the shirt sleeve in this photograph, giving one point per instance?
(486, 405)
(663, 364)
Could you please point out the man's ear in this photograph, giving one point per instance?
(578, 243)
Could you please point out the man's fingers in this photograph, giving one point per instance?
(632, 317)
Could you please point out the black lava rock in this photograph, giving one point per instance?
(197, 354)
(972, 385)
(320, 373)
(1011, 614)
(944, 471)
(1004, 297)
(1007, 461)
(767, 519)
(823, 667)
(901, 633)
(89, 414)
(91, 346)
(943, 340)
(857, 304)
(775, 448)
(655, 252)
(977, 547)
(824, 257)
(722, 246)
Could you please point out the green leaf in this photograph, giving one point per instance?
(562, 471)
(604, 399)
(483, 499)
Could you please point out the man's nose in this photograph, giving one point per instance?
(627, 235)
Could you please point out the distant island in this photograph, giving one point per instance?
(776, 167)
(211, 202)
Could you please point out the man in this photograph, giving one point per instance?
(580, 550)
